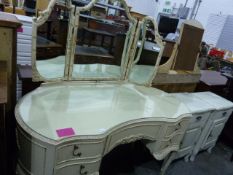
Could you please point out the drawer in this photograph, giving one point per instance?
(132, 133)
(79, 150)
(221, 114)
(89, 168)
(176, 128)
(199, 120)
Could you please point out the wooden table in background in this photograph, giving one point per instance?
(212, 81)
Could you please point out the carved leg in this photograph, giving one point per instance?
(167, 162)
(186, 158)
(193, 157)
(209, 150)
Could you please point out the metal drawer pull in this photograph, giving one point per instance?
(82, 171)
(199, 118)
(76, 151)
(224, 114)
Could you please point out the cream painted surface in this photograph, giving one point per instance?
(92, 109)
(194, 104)
(214, 100)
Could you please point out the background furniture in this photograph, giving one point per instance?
(188, 46)
(8, 29)
(176, 81)
(212, 81)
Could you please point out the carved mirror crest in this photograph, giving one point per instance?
(49, 51)
(147, 53)
(103, 37)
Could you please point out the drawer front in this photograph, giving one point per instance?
(221, 114)
(78, 168)
(79, 150)
(190, 138)
(215, 131)
(199, 120)
(133, 133)
(176, 128)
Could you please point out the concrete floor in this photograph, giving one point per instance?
(136, 160)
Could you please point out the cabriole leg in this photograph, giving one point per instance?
(167, 162)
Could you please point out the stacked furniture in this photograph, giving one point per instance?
(8, 49)
(210, 114)
(24, 46)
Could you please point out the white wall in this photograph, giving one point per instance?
(224, 7)
(150, 7)
(147, 7)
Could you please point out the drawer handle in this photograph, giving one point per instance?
(76, 151)
(199, 118)
(82, 171)
(224, 114)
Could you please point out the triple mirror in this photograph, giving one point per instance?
(93, 40)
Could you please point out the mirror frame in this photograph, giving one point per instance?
(158, 40)
(37, 22)
(127, 47)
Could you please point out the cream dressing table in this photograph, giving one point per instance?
(83, 111)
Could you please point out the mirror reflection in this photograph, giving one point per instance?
(148, 50)
(103, 38)
(51, 43)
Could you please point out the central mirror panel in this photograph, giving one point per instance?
(148, 50)
(50, 38)
(104, 37)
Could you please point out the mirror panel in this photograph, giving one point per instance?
(148, 50)
(50, 30)
(104, 37)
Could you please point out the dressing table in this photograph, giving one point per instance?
(82, 111)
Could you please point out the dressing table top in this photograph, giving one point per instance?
(93, 109)
(194, 103)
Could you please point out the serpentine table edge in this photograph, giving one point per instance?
(47, 156)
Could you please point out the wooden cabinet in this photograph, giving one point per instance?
(8, 29)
